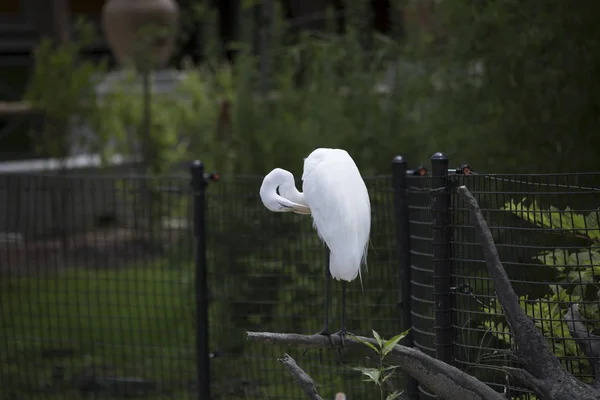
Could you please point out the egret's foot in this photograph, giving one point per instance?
(342, 334)
(324, 332)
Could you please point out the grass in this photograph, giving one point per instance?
(134, 322)
(66, 331)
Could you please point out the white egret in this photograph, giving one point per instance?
(336, 196)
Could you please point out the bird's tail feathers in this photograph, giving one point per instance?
(362, 288)
(367, 248)
(346, 266)
(364, 261)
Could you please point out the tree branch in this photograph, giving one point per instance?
(302, 378)
(589, 343)
(442, 379)
(521, 375)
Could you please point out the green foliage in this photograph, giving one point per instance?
(320, 93)
(536, 81)
(61, 87)
(565, 221)
(528, 92)
(383, 371)
(576, 280)
(181, 121)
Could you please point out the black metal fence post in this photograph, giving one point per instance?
(442, 272)
(202, 350)
(399, 182)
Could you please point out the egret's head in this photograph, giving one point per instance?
(276, 190)
(270, 191)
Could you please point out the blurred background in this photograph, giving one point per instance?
(103, 104)
(503, 86)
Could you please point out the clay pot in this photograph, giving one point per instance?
(133, 25)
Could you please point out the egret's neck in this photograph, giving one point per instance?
(289, 191)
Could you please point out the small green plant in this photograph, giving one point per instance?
(383, 371)
(576, 273)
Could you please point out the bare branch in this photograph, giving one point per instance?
(302, 378)
(589, 343)
(442, 379)
(537, 385)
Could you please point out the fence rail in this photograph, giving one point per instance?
(123, 286)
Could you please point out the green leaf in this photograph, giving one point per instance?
(378, 338)
(387, 372)
(389, 345)
(394, 395)
(583, 276)
(530, 213)
(556, 258)
(584, 258)
(592, 311)
(372, 373)
(560, 294)
(566, 221)
(592, 222)
(385, 376)
(375, 349)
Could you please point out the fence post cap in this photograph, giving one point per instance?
(197, 174)
(196, 164)
(439, 156)
(398, 160)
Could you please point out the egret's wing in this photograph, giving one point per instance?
(339, 202)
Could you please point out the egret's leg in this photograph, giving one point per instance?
(342, 332)
(325, 330)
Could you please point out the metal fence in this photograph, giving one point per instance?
(111, 285)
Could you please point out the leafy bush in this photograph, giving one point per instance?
(60, 87)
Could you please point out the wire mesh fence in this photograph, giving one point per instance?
(421, 256)
(94, 287)
(547, 234)
(98, 295)
(267, 274)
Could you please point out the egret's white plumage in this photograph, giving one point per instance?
(337, 197)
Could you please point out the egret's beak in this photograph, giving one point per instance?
(300, 209)
(289, 206)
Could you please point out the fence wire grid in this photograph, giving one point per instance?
(95, 294)
(97, 283)
(547, 234)
(266, 273)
